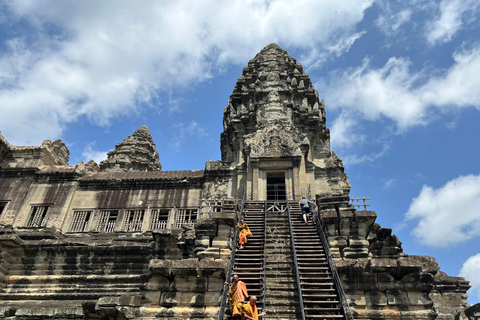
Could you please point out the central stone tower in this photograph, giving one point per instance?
(275, 137)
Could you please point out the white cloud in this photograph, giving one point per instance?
(448, 215)
(389, 183)
(90, 154)
(471, 271)
(444, 27)
(344, 132)
(110, 58)
(390, 22)
(183, 132)
(395, 92)
(355, 159)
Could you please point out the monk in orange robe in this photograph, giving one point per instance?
(237, 293)
(244, 233)
(250, 310)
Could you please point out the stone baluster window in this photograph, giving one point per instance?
(107, 220)
(37, 217)
(133, 220)
(159, 219)
(185, 217)
(80, 221)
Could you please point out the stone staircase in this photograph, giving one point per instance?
(249, 261)
(282, 300)
(320, 297)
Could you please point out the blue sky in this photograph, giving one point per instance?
(400, 81)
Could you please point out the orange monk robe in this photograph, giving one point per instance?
(244, 233)
(236, 295)
(251, 311)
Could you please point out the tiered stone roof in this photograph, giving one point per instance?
(135, 153)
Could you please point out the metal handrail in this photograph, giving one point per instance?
(302, 307)
(264, 258)
(336, 278)
(221, 311)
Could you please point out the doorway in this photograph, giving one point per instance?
(276, 190)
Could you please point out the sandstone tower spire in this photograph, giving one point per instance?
(274, 125)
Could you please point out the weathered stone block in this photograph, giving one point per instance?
(202, 241)
(215, 284)
(220, 243)
(356, 299)
(396, 297)
(161, 267)
(213, 253)
(382, 265)
(225, 254)
(375, 299)
(211, 312)
(192, 299)
(337, 242)
(358, 243)
(212, 299)
(157, 283)
(210, 266)
(416, 298)
(190, 283)
(224, 231)
(353, 253)
(170, 299)
(184, 267)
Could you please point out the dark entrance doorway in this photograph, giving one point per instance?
(276, 186)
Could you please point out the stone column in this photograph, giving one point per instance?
(296, 177)
(254, 164)
(303, 171)
(240, 181)
(249, 174)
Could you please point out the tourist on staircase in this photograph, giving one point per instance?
(304, 205)
(250, 310)
(237, 293)
(244, 233)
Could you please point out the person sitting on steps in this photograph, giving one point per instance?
(303, 204)
(244, 233)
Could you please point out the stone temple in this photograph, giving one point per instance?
(124, 239)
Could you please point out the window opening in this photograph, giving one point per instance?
(185, 217)
(80, 221)
(133, 220)
(107, 220)
(37, 216)
(276, 189)
(159, 219)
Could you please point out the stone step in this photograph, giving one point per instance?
(64, 296)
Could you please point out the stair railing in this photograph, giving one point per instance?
(221, 311)
(264, 258)
(336, 278)
(299, 283)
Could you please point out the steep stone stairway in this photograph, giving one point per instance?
(320, 297)
(282, 301)
(249, 261)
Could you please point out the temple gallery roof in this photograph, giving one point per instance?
(144, 175)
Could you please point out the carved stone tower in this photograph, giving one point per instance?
(275, 137)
